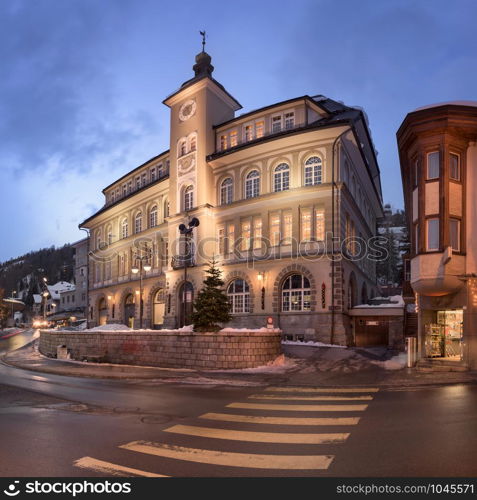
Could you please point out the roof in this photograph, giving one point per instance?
(60, 286)
(448, 103)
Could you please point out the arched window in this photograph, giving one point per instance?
(124, 228)
(193, 143)
(188, 198)
(313, 171)
(226, 191)
(153, 216)
(281, 178)
(238, 293)
(296, 293)
(182, 149)
(138, 223)
(252, 184)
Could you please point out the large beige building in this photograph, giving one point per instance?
(271, 189)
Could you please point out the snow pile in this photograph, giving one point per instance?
(113, 327)
(310, 343)
(186, 328)
(395, 363)
(236, 330)
(392, 301)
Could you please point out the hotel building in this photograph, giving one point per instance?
(271, 190)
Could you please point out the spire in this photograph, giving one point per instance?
(202, 66)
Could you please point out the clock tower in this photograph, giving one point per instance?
(198, 105)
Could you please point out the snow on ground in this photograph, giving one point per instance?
(110, 327)
(395, 363)
(309, 343)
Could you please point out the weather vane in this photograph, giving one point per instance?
(203, 40)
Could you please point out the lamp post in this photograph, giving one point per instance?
(45, 295)
(139, 269)
(186, 232)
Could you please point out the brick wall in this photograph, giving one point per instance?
(222, 350)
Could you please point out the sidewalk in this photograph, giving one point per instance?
(300, 365)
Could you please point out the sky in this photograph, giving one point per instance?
(82, 84)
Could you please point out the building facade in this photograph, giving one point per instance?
(286, 199)
(438, 155)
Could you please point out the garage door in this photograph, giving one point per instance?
(370, 331)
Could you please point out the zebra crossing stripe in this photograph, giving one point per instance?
(252, 419)
(232, 459)
(311, 398)
(111, 469)
(258, 437)
(277, 407)
(323, 389)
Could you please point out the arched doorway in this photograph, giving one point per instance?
(159, 306)
(184, 302)
(129, 310)
(102, 311)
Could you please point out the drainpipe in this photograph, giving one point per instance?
(333, 185)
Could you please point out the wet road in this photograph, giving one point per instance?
(64, 426)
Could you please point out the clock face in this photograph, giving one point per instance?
(187, 110)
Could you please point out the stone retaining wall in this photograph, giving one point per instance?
(222, 350)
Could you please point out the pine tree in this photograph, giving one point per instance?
(211, 305)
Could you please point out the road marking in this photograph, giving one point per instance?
(254, 406)
(322, 389)
(113, 469)
(229, 459)
(251, 419)
(258, 437)
(311, 398)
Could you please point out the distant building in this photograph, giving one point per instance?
(438, 155)
(271, 189)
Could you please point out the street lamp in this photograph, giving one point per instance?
(187, 233)
(139, 269)
(45, 295)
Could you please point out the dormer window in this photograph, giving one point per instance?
(153, 174)
(248, 132)
(259, 129)
(233, 138)
(138, 182)
(276, 124)
(289, 120)
(433, 165)
(223, 142)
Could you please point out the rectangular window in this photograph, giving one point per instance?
(319, 225)
(275, 230)
(454, 167)
(276, 124)
(454, 232)
(138, 182)
(130, 187)
(289, 120)
(230, 237)
(259, 129)
(125, 189)
(306, 224)
(246, 235)
(416, 172)
(407, 270)
(257, 233)
(221, 240)
(248, 132)
(433, 165)
(287, 228)
(416, 239)
(233, 138)
(223, 142)
(144, 178)
(432, 234)
(153, 174)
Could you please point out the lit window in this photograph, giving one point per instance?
(124, 228)
(287, 228)
(454, 167)
(281, 178)
(433, 234)
(319, 225)
(246, 235)
(275, 230)
(230, 237)
(276, 124)
(296, 294)
(221, 240)
(188, 198)
(233, 138)
(454, 231)
(257, 233)
(259, 129)
(313, 171)
(223, 142)
(289, 120)
(153, 216)
(138, 223)
(238, 293)
(226, 191)
(248, 132)
(252, 184)
(433, 165)
(306, 224)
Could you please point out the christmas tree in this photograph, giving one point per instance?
(211, 305)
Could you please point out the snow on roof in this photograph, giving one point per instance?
(37, 298)
(57, 288)
(446, 103)
(392, 301)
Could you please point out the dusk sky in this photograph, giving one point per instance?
(82, 84)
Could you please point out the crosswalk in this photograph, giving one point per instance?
(277, 429)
